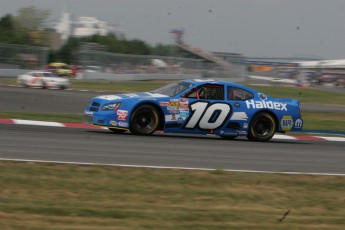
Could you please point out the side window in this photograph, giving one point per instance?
(238, 94)
(207, 92)
(191, 94)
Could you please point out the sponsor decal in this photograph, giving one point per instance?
(245, 125)
(88, 113)
(239, 116)
(267, 105)
(164, 103)
(242, 132)
(184, 114)
(183, 104)
(286, 123)
(122, 112)
(110, 97)
(179, 120)
(114, 123)
(298, 123)
(173, 104)
(174, 111)
(237, 104)
(172, 117)
(123, 124)
(262, 96)
(121, 118)
(228, 133)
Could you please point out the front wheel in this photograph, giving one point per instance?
(262, 127)
(144, 120)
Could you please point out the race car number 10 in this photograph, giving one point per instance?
(208, 116)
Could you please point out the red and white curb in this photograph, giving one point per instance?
(85, 126)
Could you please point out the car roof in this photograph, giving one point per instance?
(212, 81)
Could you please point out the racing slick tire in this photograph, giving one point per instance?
(144, 120)
(117, 131)
(262, 127)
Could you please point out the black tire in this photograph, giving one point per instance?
(117, 131)
(144, 120)
(262, 127)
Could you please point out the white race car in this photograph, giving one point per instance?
(42, 79)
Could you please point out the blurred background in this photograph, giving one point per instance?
(37, 38)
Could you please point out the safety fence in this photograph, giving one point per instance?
(22, 56)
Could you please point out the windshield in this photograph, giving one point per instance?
(173, 88)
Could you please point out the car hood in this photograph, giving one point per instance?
(142, 96)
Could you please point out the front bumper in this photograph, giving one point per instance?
(108, 120)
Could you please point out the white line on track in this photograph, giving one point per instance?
(166, 167)
(40, 123)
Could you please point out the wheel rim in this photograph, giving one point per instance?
(263, 127)
(145, 120)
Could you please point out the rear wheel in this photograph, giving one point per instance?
(144, 120)
(262, 127)
(117, 131)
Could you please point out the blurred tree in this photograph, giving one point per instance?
(31, 21)
(8, 33)
(110, 43)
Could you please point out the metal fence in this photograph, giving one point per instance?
(22, 56)
(92, 58)
(145, 64)
(136, 64)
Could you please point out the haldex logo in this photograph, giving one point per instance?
(266, 105)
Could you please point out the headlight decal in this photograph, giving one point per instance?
(111, 106)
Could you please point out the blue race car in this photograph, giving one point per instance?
(196, 106)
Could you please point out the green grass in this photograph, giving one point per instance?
(49, 196)
(305, 95)
(324, 121)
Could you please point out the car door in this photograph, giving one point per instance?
(200, 110)
(240, 116)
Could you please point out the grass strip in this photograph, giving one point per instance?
(51, 196)
(305, 95)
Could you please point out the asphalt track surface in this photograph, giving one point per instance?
(162, 150)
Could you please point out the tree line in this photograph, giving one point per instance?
(28, 27)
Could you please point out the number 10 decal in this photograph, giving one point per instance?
(208, 116)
